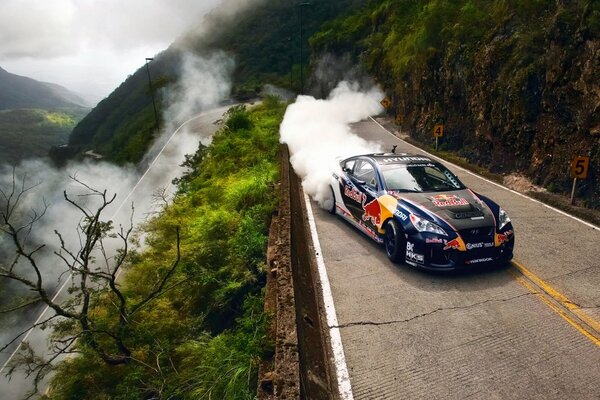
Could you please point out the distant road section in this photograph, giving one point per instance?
(529, 330)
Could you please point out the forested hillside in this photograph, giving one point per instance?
(30, 133)
(204, 336)
(264, 40)
(517, 84)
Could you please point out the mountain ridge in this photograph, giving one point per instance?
(17, 91)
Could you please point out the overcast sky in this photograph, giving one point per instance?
(90, 46)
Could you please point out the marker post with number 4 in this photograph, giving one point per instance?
(579, 170)
(438, 132)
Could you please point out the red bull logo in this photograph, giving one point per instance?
(448, 200)
(372, 212)
(502, 238)
(455, 244)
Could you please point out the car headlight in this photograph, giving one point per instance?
(502, 219)
(422, 225)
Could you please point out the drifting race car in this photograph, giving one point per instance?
(421, 211)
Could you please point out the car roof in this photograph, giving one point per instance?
(397, 158)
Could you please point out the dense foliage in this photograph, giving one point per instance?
(204, 336)
(515, 82)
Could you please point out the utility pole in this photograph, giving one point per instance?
(301, 6)
(291, 64)
(148, 59)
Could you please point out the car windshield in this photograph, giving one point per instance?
(428, 177)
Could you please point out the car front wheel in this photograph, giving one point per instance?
(395, 243)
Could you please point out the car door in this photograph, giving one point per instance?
(360, 197)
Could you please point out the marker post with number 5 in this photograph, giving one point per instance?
(579, 170)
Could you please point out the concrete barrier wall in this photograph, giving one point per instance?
(300, 367)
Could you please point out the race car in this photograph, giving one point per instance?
(421, 212)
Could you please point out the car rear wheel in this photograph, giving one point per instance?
(331, 208)
(394, 241)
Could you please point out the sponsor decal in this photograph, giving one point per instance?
(471, 246)
(372, 212)
(354, 194)
(504, 237)
(406, 158)
(401, 215)
(411, 255)
(434, 240)
(454, 244)
(449, 200)
(479, 260)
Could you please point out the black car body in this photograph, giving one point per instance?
(421, 211)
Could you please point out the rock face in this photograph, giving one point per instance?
(533, 121)
(516, 84)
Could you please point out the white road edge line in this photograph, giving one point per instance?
(492, 182)
(341, 368)
(64, 285)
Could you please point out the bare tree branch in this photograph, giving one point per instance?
(90, 283)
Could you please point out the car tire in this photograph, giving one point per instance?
(332, 208)
(394, 241)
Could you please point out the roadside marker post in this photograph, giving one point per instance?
(438, 132)
(386, 103)
(579, 170)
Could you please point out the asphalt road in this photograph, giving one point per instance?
(525, 331)
(163, 169)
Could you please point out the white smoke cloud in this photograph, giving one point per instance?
(318, 132)
(205, 82)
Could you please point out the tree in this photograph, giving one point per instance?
(93, 271)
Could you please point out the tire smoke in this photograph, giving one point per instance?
(318, 133)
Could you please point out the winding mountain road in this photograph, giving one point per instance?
(530, 330)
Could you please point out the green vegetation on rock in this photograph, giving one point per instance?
(514, 82)
(204, 337)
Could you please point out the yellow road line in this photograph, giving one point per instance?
(534, 284)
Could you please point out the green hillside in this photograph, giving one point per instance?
(205, 335)
(515, 83)
(264, 40)
(30, 133)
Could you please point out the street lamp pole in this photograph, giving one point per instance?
(301, 6)
(148, 59)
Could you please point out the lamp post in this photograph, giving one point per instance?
(301, 6)
(148, 59)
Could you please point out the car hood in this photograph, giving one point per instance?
(461, 209)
